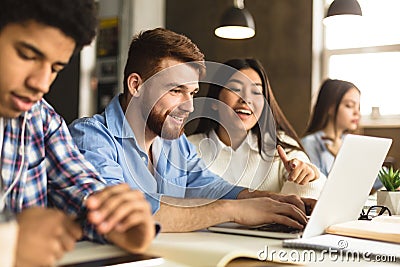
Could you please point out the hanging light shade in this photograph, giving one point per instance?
(343, 9)
(236, 23)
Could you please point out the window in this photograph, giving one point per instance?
(367, 53)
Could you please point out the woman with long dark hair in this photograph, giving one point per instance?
(240, 128)
(336, 113)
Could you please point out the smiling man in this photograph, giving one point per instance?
(139, 140)
(44, 179)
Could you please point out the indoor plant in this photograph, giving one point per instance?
(391, 196)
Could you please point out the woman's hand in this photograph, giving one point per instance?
(300, 172)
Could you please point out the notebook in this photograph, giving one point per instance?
(347, 188)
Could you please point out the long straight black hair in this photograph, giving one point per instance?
(330, 95)
(205, 125)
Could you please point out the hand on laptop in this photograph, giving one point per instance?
(262, 210)
(300, 172)
(44, 236)
(309, 204)
(306, 205)
(123, 215)
(303, 204)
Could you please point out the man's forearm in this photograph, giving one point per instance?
(246, 193)
(185, 215)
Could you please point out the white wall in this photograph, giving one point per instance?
(134, 16)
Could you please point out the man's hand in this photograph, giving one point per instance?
(299, 172)
(44, 236)
(306, 205)
(256, 211)
(123, 215)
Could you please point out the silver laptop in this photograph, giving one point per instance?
(347, 188)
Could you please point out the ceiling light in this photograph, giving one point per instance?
(236, 23)
(345, 10)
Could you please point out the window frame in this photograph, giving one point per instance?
(320, 33)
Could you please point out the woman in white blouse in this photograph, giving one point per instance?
(240, 128)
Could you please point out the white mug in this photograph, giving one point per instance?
(8, 240)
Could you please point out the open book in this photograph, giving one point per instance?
(211, 249)
(214, 249)
(195, 250)
(382, 228)
(183, 249)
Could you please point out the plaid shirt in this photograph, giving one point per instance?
(54, 172)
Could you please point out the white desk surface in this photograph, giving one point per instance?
(172, 247)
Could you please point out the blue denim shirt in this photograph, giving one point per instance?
(108, 142)
(315, 146)
(319, 154)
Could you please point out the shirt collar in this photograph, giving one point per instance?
(115, 119)
(214, 137)
(250, 141)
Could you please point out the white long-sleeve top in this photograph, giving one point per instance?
(245, 166)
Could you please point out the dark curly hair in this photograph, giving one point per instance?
(75, 18)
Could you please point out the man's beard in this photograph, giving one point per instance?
(155, 122)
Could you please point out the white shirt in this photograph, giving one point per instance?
(1, 134)
(245, 166)
(1, 177)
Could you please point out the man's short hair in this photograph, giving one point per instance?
(75, 18)
(150, 47)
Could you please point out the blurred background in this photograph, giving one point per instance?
(295, 46)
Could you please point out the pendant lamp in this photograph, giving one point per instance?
(343, 10)
(236, 23)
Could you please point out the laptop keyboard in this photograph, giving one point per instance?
(276, 227)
